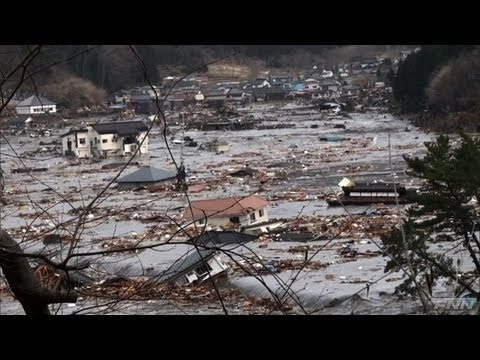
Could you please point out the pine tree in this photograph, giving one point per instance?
(446, 208)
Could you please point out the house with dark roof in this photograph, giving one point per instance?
(269, 93)
(104, 139)
(19, 122)
(142, 101)
(145, 108)
(258, 83)
(188, 84)
(215, 98)
(120, 138)
(120, 97)
(276, 79)
(228, 212)
(350, 90)
(146, 176)
(137, 96)
(307, 73)
(36, 105)
(182, 98)
(329, 85)
(236, 95)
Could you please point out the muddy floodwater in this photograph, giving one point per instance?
(298, 171)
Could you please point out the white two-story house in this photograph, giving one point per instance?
(104, 139)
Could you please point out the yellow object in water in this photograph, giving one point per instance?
(346, 182)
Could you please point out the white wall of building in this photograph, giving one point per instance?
(36, 109)
(112, 143)
(23, 110)
(106, 144)
(80, 146)
(144, 147)
(260, 215)
(83, 145)
(216, 267)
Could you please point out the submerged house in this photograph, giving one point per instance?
(246, 171)
(269, 93)
(195, 267)
(258, 83)
(236, 95)
(228, 212)
(216, 98)
(146, 176)
(205, 263)
(276, 79)
(19, 122)
(104, 139)
(120, 138)
(329, 85)
(220, 238)
(215, 145)
(368, 192)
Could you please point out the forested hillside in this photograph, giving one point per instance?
(442, 83)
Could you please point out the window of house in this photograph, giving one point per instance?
(260, 213)
(252, 217)
(104, 141)
(203, 269)
(201, 221)
(82, 141)
(235, 220)
(96, 140)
